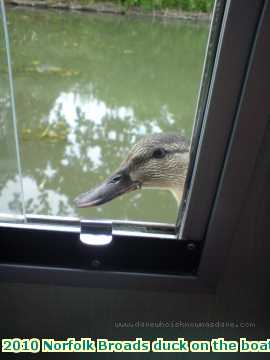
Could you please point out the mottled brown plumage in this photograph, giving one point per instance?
(156, 161)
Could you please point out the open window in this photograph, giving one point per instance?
(43, 237)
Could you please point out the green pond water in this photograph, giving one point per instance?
(87, 88)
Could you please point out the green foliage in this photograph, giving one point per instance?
(187, 5)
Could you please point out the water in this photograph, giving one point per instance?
(87, 88)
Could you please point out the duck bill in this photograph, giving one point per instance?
(107, 191)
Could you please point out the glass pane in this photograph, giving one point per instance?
(11, 196)
(88, 87)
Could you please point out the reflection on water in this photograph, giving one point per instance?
(87, 88)
(41, 200)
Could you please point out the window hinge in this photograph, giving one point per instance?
(95, 232)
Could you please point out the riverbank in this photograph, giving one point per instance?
(113, 8)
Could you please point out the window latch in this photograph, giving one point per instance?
(96, 233)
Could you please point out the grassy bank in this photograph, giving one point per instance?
(185, 5)
(194, 10)
(191, 6)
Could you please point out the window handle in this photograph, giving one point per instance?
(96, 233)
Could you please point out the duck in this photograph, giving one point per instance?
(158, 161)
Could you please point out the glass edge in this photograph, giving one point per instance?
(209, 60)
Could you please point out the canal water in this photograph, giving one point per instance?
(88, 87)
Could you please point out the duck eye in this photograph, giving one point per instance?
(159, 153)
(116, 179)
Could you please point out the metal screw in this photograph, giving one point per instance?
(95, 263)
(191, 246)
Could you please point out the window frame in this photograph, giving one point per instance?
(201, 239)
